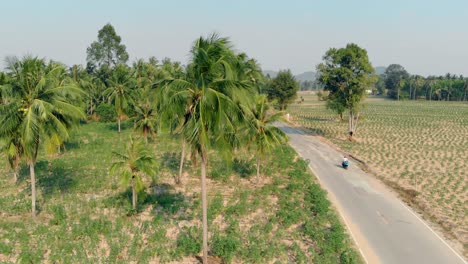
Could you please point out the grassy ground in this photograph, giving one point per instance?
(85, 215)
(419, 146)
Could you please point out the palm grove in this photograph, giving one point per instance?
(213, 103)
(398, 84)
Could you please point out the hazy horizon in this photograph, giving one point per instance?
(426, 37)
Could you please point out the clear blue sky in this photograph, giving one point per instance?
(425, 36)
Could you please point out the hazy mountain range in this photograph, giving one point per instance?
(305, 76)
(310, 75)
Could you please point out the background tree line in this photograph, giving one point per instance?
(398, 84)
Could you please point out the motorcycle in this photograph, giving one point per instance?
(345, 164)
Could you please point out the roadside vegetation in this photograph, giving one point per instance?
(85, 214)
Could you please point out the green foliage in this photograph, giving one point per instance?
(60, 216)
(132, 165)
(221, 172)
(349, 257)
(120, 89)
(393, 77)
(347, 74)
(216, 205)
(107, 50)
(106, 112)
(225, 246)
(316, 198)
(283, 88)
(189, 241)
(243, 168)
(171, 203)
(289, 211)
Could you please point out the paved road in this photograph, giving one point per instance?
(385, 230)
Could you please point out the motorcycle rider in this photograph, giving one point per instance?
(345, 162)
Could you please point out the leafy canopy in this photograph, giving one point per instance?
(283, 88)
(346, 73)
(107, 50)
(42, 104)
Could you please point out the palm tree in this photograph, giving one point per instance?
(13, 150)
(94, 88)
(206, 101)
(132, 165)
(120, 91)
(146, 120)
(41, 108)
(262, 132)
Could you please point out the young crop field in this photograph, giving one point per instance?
(419, 146)
(85, 216)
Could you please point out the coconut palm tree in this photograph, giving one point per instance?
(41, 108)
(132, 165)
(120, 90)
(146, 120)
(262, 132)
(11, 146)
(206, 101)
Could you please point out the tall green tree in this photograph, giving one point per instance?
(131, 166)
(207, 102)
(283, 88)
(41, 108)
(347, 74)
(146, 117)
(392, 77)
(121, 91)
(107, 50)
(262, 132)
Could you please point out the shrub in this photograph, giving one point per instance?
(349, 257)
(225, 246)
(316, 198)
(243, 168)
(189, 241)
(215, 206)
(220, 172)
(59, 215)
(289, 212)
(106, 112)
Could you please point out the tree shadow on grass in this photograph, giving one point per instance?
(161, 196)
(53, 177)
(124, 125)
(171, 161)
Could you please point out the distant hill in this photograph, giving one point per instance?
(271, 73)
(305, 76)
(380, 69)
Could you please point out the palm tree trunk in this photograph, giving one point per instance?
(134, 193)
(118, 122)
(204, 207)
(33, 189)
(181, 166)
(15, 169)
(145, 133)
(258, 168)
